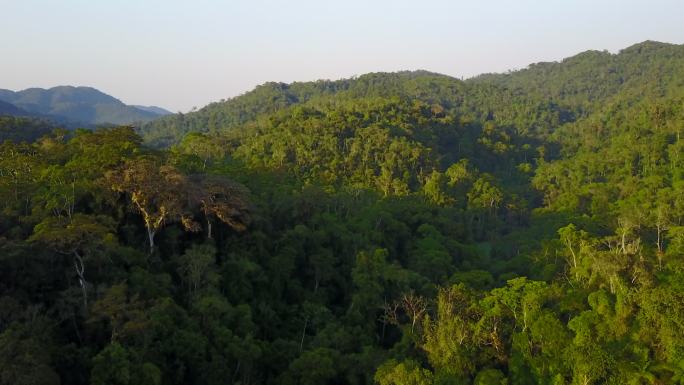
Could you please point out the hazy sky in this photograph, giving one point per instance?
(180, 54)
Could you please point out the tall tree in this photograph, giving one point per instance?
(218, 197)
(157, 191)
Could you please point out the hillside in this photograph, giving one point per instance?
(579, 82)
(154, 109)
(394, 229)
(80, 105)
(18, 128)
(535, 100)
(19, 125)
(11, 109)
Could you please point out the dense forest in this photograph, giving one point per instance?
(396, 229)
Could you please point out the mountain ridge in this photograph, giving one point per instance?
(80, 105)
(566, 87)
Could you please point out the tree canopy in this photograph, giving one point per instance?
(392, 229)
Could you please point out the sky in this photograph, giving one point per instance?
(185, 54)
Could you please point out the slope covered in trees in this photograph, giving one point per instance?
(11, 109)
(408, 228)
(80, 105)
(23, 129)
(536, 100)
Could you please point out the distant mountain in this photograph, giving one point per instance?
(154, 109)
(83, 105)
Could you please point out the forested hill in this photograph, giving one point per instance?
(272, 97)
(566, 90)
(77, 105)
(643, 70)
(393, 229)
(11, 109)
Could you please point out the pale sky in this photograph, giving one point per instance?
(179, 54)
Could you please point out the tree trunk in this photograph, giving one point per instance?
(150, 235)
(574, 259)
(208, 228)
(658, 242)
(301, 342)
(80, 270)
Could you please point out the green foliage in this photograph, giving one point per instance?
(404, 373)
(490, 377)
(22, 129)
(408, 228)
(23, 358)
